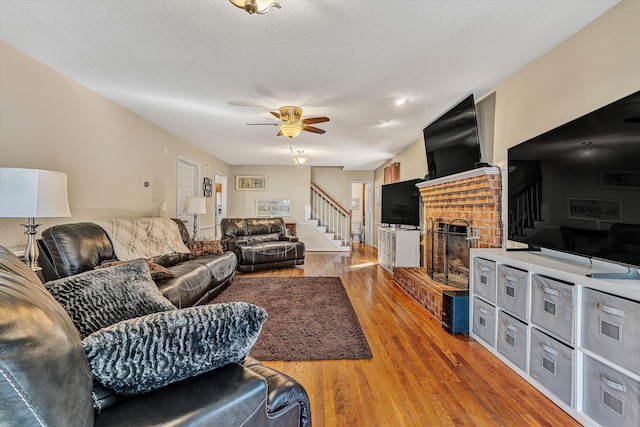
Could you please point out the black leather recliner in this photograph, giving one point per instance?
(261, 243)
(46, 380)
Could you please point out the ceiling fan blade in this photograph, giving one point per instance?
(280, 133)
(276, 114)
(262, 124)
(312, 120)
(313, 129)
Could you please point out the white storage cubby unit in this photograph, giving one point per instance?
(398, 247)
(573, 337)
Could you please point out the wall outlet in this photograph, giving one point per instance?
(164, 206)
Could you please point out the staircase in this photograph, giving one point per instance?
(330, 219)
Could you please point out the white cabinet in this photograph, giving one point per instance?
(398, 247)
(573, 337)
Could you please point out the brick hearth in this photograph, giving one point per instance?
(422, 288)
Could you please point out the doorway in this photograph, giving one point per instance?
(187, 185)
(362, 211)
(221, 202)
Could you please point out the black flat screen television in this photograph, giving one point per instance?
(451, 141)
(576, 188)
(401, 203)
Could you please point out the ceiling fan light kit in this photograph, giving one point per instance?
(290, 129)
(293, 122)
(299, 159)
(256, 6)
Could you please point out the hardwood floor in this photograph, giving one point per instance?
(419, 374)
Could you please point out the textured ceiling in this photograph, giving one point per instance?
(202, 69)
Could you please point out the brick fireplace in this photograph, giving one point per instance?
(470, 198)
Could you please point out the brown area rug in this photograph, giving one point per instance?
(310, 318)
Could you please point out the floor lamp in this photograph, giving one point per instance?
(31, 194)
(196, 206)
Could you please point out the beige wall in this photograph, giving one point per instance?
(337, 182)
(594, 67)
(49, 121)
(413, 164)
(283, 182)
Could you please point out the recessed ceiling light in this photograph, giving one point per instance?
(401, 101)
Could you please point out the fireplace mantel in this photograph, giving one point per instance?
(491, 170)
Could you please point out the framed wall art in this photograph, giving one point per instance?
(207, 187)
(273, 207)
(251, 182)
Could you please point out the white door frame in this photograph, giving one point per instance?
(221, 203)
(186, 218)
(367, 209)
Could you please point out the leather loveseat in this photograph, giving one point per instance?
(46, 379)
(261, 243)
(69, 249)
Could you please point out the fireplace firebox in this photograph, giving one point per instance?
(447, 251)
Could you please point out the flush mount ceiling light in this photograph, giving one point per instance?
(256, 6)
(299, 159)
(400, 101)
(290, 129)
(587, 151)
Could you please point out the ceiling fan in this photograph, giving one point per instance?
(293, 122)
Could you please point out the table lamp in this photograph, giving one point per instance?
(30, 194)
(196, 206)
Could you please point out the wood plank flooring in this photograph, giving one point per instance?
(419, 374)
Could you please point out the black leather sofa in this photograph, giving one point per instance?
(261, 243)
(46, 379)
(70, 249)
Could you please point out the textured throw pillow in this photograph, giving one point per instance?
(149, 352)
(168, 260)
(157, 271)
(205, 247)
(99, 298)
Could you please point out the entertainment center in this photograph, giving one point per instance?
(564, 310)
(573, 337)
(398, 247)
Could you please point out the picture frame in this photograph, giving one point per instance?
(594, 209)
(207, 187)
(273, 208)
(251, 183)
(355, 203)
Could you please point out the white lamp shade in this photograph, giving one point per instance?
(33, 193)
(197, 205)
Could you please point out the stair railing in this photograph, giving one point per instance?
(330, 214)
(527, 208)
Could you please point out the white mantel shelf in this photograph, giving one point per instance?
(491, 170)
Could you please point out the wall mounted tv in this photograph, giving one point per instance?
(576, 188)
(401, 203)
(451, 141)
